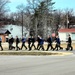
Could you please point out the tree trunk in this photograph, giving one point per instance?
(36, 29)
(44, 27)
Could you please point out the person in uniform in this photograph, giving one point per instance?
(69, 43)
(57, 40)
(23, 43)
(38, 40)
(41, 44)
(49, 40)
(32, 42)
(29, 42)
(11, 41)
(17, 42)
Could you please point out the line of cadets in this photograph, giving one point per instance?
(40, 40)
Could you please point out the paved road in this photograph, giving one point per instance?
(37, 65)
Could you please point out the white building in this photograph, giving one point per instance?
(63, 34)
(16, 30)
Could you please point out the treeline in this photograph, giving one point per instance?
(40, 17)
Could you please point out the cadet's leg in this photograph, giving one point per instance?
(42, 47)
(47, 47)
(29, 47)
(25, 46)
(22, 46)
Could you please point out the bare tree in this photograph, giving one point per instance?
(69, 13)
(41, 10)
(3, 7)
(63, 19)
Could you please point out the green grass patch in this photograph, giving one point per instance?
(31, 53)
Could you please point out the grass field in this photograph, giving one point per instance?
(36, 53)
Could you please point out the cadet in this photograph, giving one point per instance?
(49, 40)
(17, 42)
(23, 42)
(69, 43)
(11, 41)
(29, 43)
(33, 41)
(41, 44)
(38, 40)
(57, 40)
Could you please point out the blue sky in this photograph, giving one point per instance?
(60, 4)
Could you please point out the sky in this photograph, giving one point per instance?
(59, 4)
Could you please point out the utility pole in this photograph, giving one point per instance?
(67, 20)
(22, 22)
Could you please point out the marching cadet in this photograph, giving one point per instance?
(23, 43)
(38, 40)
(17, 42)
(41, 44)
(49, 40)
(69, 43)
(33, 41)
(29, 43)
(11, 41)
(57, 40)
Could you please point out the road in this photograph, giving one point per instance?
(37, 65)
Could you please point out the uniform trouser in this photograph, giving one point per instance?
(49, 45)
(69, 46)
(41, 46)
(10, 46)
(58, 46)
(23, 45)
(29, 46)
(17, 46)
(33, 45)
